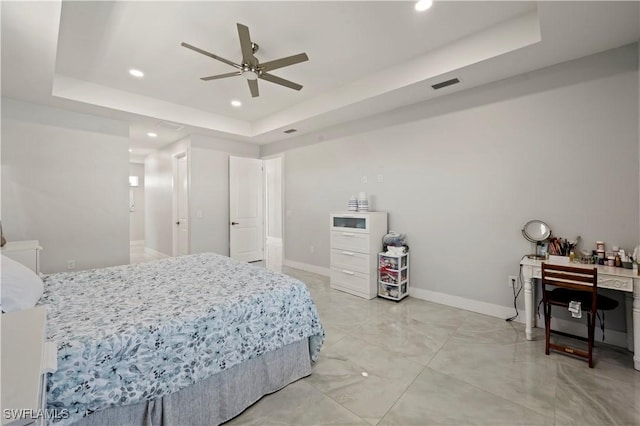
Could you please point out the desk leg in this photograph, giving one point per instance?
(636, 324)
(628, 316)
(527, 274)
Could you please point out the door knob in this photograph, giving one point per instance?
(235, 223)
(178, 223)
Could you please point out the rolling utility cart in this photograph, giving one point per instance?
(393, 276)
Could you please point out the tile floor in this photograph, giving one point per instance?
(420, 363)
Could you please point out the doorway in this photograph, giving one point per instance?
(180, 204)
(273, 189)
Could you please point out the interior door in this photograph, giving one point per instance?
(245, 209)
(182, 206)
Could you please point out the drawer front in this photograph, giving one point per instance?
(350, 260)
(616, 283)
(350, 222)
(350, 241)
(350, 280)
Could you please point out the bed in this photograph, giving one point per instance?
(188, 340)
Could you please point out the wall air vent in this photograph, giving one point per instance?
(172, 126)
(446, 83)
(290, 131)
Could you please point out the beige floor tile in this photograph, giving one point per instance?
(437, 399)
(364, 378)
(297, 404)
(518, 372)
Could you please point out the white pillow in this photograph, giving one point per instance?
(21, 287)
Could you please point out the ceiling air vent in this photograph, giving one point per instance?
(446, 83)
(290, 131)
(172, 126)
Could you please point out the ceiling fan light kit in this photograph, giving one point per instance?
(250, 68)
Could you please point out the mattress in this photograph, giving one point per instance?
(132, 333)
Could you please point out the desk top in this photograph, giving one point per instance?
(602, 270)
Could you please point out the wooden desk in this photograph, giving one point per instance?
(608, 277)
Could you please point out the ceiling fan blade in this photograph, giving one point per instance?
(281, 81)
(246, 45)
(216, 77)
(211, 55)
(253, 86)
(284, 62)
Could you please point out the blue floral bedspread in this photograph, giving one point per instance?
(131, 333)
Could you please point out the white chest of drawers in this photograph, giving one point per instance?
(356, 239)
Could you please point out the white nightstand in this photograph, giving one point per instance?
(25, 252)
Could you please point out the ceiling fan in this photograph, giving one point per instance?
(250, 68)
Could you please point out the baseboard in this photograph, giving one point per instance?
(152, 252)
(485, 308)
(306, 267)
(579, 328)
(136, 243)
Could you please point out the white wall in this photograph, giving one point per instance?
(65, 183)
(208, 160)
(136, 217)
(465, 172)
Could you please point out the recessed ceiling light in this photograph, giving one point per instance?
(136, 73)
(152, 135)
(236, 103)
(130, 150)
(423, 5)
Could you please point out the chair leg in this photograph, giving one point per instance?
(591, 330)
(547, 328)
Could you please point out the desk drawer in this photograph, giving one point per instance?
(350, 241)
(351, 260)
(616, 283)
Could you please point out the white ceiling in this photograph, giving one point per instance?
(365, 57)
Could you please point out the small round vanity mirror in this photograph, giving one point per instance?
(535, 231)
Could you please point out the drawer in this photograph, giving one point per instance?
(350, 260)
(350, 280)
(350, 241)
(616, 283)
(352, 222)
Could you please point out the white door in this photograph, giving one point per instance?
(182, 206)
(245, 209)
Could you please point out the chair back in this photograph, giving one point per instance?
(571, 277)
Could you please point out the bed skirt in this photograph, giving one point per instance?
(218, 398)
